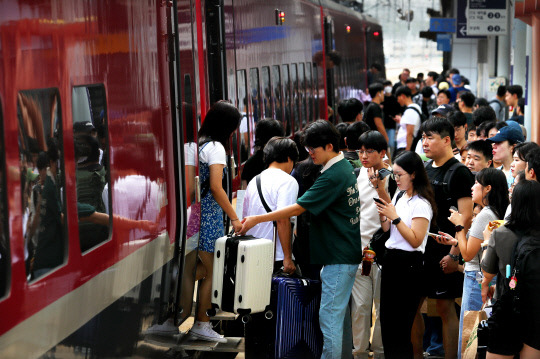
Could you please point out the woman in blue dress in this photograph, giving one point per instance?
(219, 124)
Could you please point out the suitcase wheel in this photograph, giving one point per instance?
(269, 314)
(246, 318)
(211, 312)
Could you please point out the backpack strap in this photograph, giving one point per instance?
(447, 176)
(205, 186)
(267, 208)
(415, 110)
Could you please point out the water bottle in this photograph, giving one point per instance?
(479, 278)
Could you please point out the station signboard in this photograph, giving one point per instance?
(487, 17)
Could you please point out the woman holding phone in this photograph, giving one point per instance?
(408, 221)
(490, 191)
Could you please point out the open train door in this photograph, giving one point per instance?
(329, 47)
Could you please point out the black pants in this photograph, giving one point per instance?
(401, 284)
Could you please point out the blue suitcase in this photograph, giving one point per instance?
(291, 329)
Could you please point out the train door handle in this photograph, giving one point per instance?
(197, 189)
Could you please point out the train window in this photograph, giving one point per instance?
(242, 107)
(267, 92)
(42, 180)
(294, 82)
(92, 174)
(301, 93)
(309, 93)
(276, 90)
(4, 234)
(287, 98)
(254, 92)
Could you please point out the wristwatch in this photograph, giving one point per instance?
(459, 228)
(454, 257)
(396, 221)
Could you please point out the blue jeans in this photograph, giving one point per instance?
(337, 282)
(470, 300)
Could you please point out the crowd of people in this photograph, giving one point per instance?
(425, 162)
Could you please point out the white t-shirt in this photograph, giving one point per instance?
(409, 117)
(407, 209)
(213, 153)
(279, 190)
(369, 217)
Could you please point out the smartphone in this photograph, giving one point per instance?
(383, 172)
(434, 235)
(378, 200)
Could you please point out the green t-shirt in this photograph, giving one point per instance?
(333, 201)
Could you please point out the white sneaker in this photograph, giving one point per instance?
(204, 331)
(167, 328)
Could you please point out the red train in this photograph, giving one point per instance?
(113, 92)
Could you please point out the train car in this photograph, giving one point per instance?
(100, 103)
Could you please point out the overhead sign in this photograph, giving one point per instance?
(444, 42)
(461, 26)
(487, 17)
(441, 24)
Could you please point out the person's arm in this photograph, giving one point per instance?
(380, 127)
(486, 289)
(468, 248)
(283, 213)
(410, 136)
(216, 187)
(284, 233)
(96, 218)
(415, 234)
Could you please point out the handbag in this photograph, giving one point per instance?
(469, 338)
(378, 241)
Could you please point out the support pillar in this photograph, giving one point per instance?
(535, 79)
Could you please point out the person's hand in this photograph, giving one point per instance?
(487, 233)
(387, 209)
(397, 118)
(247, 223)
(237, 225)
(456, 218)
(373, 176)
(487, 291)
(445, 238)
(148, 226)
(448, 265)
(288, 266)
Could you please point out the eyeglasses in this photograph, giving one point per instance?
(396, 176)
(311, 149)
(361, 152)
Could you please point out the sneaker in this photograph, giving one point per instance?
(167, 328)
(204, 331)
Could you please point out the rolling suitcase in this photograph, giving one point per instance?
(242, 274)
(293, 331)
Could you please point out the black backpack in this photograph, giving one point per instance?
(418, 136)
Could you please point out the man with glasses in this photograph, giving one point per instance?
(334, 233)
(367, 289)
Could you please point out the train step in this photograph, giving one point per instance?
(186, 342)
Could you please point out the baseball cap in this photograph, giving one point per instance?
(456, 79)
(444, 85)
(84, 126)
(508, 133)
(443, 110)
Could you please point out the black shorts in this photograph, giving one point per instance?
(439, 285)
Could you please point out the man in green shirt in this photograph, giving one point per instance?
(334, 232)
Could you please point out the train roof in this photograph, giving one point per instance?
(332, 5)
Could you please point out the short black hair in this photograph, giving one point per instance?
(403, 90)
(321, 133)
(521, 104)
(350, 108)
(354, 131)
(533, 161)
(280, 149)
(433, 75)
(522, 149)
(483, 147)
(446, 93)
(375, 88)
(457, 118)
(483, 128)
(334, 56)
(515, 90)
(501, 90)
(483, 114)
(481, 102)
(52, 149)
(470, 128)
(42, 161)
(387, 82)
(467, 98)
(427, 92)
(440, 126)
(342, 129)
(266, 129)
(376, 66)
(372, 140)
(453, 71)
